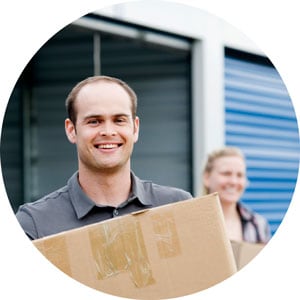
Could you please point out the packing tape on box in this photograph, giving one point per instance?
(109, 261)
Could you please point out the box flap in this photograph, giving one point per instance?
(244, 252)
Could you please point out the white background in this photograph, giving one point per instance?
(26, 25)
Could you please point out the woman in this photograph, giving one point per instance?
(225, 172)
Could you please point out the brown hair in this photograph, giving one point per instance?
(212, 156)
(71, 99)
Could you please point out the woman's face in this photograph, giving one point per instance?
(228, 178)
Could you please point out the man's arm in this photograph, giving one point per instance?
(27, 223)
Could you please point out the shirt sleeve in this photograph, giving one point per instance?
(263, 227)
(27, 223)
(267, 231)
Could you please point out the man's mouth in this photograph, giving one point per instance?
(108, 146)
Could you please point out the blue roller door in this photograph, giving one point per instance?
(260, 119)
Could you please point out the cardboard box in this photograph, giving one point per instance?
(244, 252)
(163, 252)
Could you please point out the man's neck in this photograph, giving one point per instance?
(110, 189)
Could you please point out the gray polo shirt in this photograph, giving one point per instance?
(69, 207)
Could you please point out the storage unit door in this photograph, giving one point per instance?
(160, 76)
(260, 119)
(11, 149)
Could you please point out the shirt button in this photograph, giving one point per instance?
(115, 212)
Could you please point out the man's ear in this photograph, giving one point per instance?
(136, 128)
(70, 131)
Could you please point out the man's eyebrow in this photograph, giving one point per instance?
(102, 115)
(122, 115)
(91, 116)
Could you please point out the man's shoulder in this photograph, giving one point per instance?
(40, 218)
(46, 202)
(163, 194)
(170, 190)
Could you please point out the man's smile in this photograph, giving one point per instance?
(108, 146)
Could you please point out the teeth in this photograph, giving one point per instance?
(229, 190)
(108, 146)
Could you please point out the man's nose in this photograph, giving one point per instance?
(107, 129)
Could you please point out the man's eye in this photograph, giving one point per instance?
(93, 122)
(120, 120)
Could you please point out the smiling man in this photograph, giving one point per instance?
(103, 125)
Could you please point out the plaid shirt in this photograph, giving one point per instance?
(255, 227)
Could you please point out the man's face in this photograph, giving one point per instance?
(105, 132)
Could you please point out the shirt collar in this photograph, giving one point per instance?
(245, 214)
(83, 204)
(139, 190)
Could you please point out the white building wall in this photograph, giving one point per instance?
(210, 34)
(180, 19)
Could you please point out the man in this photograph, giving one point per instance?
(103, 124)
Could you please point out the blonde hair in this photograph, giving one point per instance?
(212, 156)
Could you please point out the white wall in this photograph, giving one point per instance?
(210, 34)
(181, 19)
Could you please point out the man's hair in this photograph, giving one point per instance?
(212, 156)
(71, 99)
